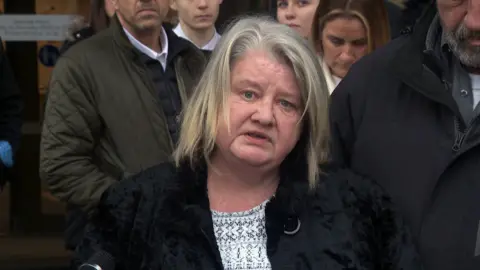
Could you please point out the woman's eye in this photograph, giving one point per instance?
(303, 2)
(337, 41)
(248, 95)
(286, 104)
(359, 43)
(282, 4)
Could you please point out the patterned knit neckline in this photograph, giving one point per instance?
(242, 238)
(256, 209)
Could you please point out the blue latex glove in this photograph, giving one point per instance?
(6, 155)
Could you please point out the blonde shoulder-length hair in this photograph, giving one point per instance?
(200, 118)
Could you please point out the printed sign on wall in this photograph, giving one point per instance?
(34, 27)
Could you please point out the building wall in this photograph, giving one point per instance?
(50, 206)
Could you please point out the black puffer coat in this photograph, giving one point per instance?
(161, 219)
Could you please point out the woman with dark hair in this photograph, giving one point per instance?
(100, 13)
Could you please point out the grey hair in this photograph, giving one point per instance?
(200, 118)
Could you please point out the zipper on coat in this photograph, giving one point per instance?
(459, 136)
(460, 131)
(462, 134)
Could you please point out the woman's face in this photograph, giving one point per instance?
(344, 41)
(265, 110)
(297, 14)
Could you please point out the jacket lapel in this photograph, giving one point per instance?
(421, 69)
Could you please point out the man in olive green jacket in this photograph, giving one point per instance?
(113, 108)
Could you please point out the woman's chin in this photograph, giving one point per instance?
(254, 159)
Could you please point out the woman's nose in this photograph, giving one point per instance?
(264, 113)
(347, 54)
(290, 12)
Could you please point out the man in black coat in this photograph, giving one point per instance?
(10, 116)
(407, 116)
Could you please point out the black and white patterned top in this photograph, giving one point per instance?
(242, 239)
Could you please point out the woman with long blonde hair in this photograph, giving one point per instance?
(246, 188)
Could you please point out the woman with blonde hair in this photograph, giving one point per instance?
(245, 189)
(343, 31)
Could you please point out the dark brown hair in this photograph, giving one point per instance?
(372, 13)
(99, 19)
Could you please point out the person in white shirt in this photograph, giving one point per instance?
(197, 22)
(114, 106)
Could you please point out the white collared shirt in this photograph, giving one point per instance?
(161, 57)
(208, 47)
(475, 80)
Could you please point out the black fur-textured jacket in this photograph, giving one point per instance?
(160, 219)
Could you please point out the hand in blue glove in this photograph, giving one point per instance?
(6, 155)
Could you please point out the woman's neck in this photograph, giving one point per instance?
(235, 188)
